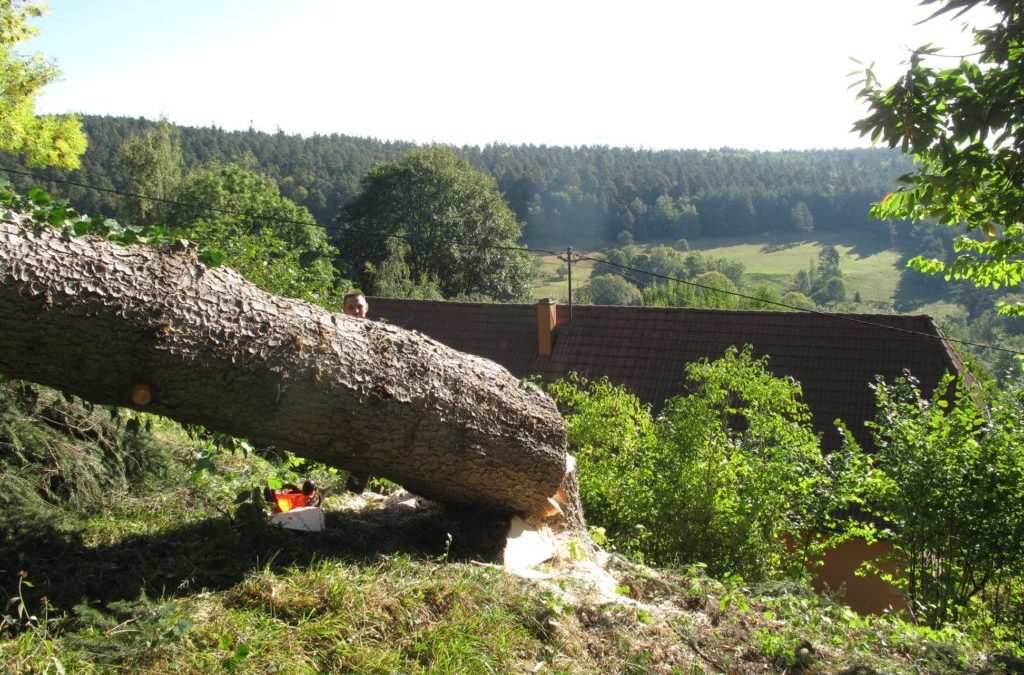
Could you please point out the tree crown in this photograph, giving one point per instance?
(458, 229)
(42, 140)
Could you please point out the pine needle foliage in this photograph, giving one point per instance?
(59, 453)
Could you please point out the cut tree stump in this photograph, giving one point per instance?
(154, 329)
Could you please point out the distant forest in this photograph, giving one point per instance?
(586, 195)
(591, 198)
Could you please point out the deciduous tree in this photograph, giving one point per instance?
(964, 126)
(153, 159)
(458, 227)
(42, 140)
(241, 219)
(801, 217)
(715, 290)
(611, 289)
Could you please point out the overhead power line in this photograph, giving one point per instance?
(244, 214)
(410, 240)
(842, 317)
(571, 258)
(160, 200)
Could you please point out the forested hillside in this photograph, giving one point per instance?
(582, 196)
(589, 198)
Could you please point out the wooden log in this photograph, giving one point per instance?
(156, 330)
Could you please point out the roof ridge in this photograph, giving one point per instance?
(664, 310)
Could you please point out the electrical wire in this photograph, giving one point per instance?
(636, 282)
(243, 214)
(406, 238)
(160, 200)
(570, 259)
(842, 317)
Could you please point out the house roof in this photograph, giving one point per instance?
(646, 348)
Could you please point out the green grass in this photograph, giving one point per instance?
(941, 310)
(549, 283)
(773, 260)
(776, 259)
(398, 613)
(163, 575)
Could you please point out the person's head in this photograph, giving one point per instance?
(355, 304)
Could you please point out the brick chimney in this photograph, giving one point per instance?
(547, 319)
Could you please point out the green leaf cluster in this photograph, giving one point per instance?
(154, 163)
(948, 488)
(730, 475)
(44, 210)
(239, 218)
(458, 232)
(822, 282)
(715, 280)
(42, 140)
(964, 127)
(610, 289)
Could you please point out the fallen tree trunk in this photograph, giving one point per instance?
(154, 329)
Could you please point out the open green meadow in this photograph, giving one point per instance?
(774, 260)
(549, 282)
(872, 271)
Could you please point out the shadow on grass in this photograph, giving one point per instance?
(868, 245)
(861, 245)
(773, 247)
(916, 289)
(217, 553)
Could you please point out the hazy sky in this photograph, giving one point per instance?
(674, 74)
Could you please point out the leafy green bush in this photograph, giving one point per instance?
(745, 468)
(730, 475)
(240, 218)
(610, 432)
(948, 483)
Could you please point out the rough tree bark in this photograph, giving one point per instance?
(156, 330)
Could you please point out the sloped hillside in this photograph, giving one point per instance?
(162, 562)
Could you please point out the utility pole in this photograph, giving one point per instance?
(569, 259)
